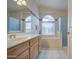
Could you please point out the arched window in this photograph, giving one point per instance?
(48, 25)
(48, 18)
(28, 18)
(28, 24)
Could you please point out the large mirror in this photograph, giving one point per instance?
(18, 17)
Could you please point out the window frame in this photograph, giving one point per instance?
(48, 22)
(10, 31)
(25, 25)
(59, 23)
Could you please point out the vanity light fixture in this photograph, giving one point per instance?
(24, 3)
(21, 2)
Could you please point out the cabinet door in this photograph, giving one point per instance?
(24, 55)
(34, 51)
(40, 45)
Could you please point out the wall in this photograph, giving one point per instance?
(69, 48)
(34, 8)
(50, 42)
(43, 10)
(31, 4)
(21, 15)
(35, 25)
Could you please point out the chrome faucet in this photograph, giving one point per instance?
(12, 36)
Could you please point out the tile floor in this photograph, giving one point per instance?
(52, 54)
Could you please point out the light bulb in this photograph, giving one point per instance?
(15, 0)
(19, 3)
(24, 2)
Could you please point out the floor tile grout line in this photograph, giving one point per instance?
(50, 54)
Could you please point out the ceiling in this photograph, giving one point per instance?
(57, 4)
(12, 6)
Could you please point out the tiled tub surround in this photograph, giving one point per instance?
(50, 42)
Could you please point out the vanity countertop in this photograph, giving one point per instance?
(16, 41)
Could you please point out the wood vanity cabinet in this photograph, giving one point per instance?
(20, 51)
(25, 50)
(24, 55)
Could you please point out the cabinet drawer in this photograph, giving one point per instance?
(16, 50)
(24, 55)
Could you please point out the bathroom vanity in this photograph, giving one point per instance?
(23, 48)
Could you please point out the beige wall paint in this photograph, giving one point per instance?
(20, 14)
(43, 10)
(69, 48)
(33, 7)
